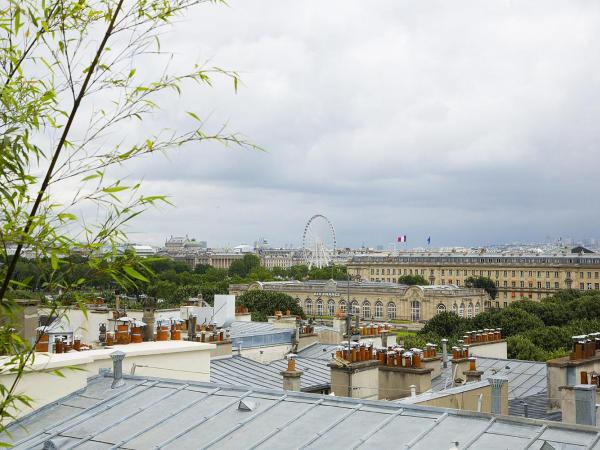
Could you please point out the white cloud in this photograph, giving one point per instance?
(470, 121)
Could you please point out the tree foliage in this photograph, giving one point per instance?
(413, 280)
(483, 283)
(264, 303)
(73, 91)
(537, 330)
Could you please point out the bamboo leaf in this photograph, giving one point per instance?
(134, 273)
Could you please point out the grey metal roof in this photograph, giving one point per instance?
(318, 351)
(246, 372)
(242, 329)
(525, 378)
(152, 413)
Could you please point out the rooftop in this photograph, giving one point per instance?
(154, 413)
(246, 372)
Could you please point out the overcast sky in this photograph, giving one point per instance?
(472, 122)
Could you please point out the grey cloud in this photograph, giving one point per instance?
(474, 121)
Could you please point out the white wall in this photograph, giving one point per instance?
(171, 359)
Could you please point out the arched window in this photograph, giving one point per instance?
(415, 311)
(470, 310)
(477, 308)
(461, 310)
(379, 310)
(319, 307)
(298, 300)
(441, 308)
(330, 307)
(308, 306)
(455, 309)
(354, 307)
(391, 310)
(366, 309)
(343, 306)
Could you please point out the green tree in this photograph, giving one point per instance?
(413, 280)
(483, 283)
(262, 304)
(445, 324)
(70, 93)
(512, 321)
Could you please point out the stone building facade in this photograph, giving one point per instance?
(376, 300)
(516, 277)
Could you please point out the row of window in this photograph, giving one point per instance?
(488, 273)
(478, 260)
(415, 309)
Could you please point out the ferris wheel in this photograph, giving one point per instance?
(318, 241)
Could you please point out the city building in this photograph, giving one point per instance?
(531, 276)
(376, 300)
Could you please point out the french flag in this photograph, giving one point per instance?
(401, 238)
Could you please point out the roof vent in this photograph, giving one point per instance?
(49, 445)
(246, 405)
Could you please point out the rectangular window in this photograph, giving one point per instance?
(596, 286)
(556, 285)
(458, 282)
(530, 273)
(443, 272)
(547, 274)
(580, 274)
(513, 284)
(521, 273)
(449, 271)
(497, 273)
(539, 274)
(581, 286)
(372, 271)
(506, 273)
(506, 284)
(393, 271)
(513, 273)
(568, 274)
(539, 284)
(530, 284)
(547, 285)
(443, 281)
(589, 274)
(556, 274)
(522, 284)
(589, 285)
(497, 283)
(505, 304)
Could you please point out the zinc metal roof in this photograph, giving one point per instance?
(242, 371)
(525, 378)
(172, 414)
(244, 329)
(318, 351)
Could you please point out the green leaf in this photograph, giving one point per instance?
(194, 116)
(110, 190)
(54, 261)
(134, 273)
(67, 216)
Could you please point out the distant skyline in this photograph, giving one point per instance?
(473, 125)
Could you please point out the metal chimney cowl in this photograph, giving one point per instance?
(117, 358)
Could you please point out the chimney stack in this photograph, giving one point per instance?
(473, 374)
(291, 376)
(499, 398)
(192, 321)
(444, 353)
(585, 404)
(117, 358)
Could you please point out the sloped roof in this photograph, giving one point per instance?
(246, 372)
(172, 414)
(525, 378)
